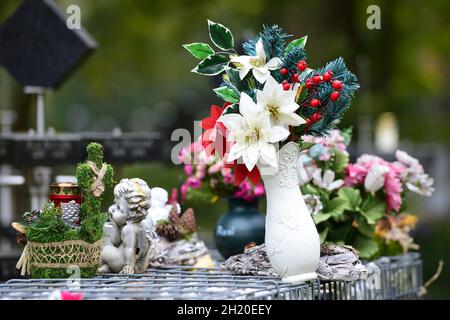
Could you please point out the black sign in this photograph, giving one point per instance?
(38, 48)
(22, 149)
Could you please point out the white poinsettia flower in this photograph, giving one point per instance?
(326, 181)
(280, 104)
(313, 203)
(374, 180)
(258, 64)
(252, 133)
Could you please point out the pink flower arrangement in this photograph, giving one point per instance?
(362, 196)
(213, 177)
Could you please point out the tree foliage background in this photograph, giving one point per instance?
(139, 78)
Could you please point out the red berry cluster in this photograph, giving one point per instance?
(334, 96)
(295, 78)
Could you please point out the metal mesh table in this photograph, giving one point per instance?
(388, 278)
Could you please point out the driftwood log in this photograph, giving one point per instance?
(337, 262)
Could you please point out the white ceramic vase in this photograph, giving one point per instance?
(292, 240)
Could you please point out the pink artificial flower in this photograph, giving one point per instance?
(259, 190)
(201, 171)
(216, 167)
(188, 169)
(355, 174)
(393, 189)
(182, 155)
(67, 295)
(228, 178)
(183, 190)
(193, 182)
(325, 157)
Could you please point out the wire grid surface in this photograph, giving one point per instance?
(167, 283)
(390, 278)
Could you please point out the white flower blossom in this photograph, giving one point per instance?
(327, 180)
(258, 64)
(252, 133)
(279, 103)
(304, 173)
(375, 178)
(415, 178)
(313, 203)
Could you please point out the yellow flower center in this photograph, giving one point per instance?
(274, 111)
(253, 136)
(257, 62)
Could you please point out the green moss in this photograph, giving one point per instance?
(50, 227)
(61, 273)
(92, 219)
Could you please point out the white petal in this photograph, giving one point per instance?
(233, 121)
(291, 119)
(272, 87)
(287, 97)
(247, 107)
(251, 156)
(336, 184)
(260, 50)
(268, 153)
(328, 177)
(274, 63)
(243, 72)
(236, 151)
(243, 60)
(278, 133)
(289, 108)
(261, 74)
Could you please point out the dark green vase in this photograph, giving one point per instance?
(242, 224)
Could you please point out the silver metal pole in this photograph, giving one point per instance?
(40, 114)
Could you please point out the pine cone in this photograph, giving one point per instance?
(174, 216)
(70, 214)
(21, 239)
(33, 216)
(171, 231)
(188, 219)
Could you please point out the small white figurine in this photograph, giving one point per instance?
(160, 209)
(130, 233)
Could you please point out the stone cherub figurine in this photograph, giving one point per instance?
(160, 209)
(178, 243)
(129, 235)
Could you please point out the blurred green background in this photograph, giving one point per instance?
(139, 80)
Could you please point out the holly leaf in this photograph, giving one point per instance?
(373, 210)
(235, 80)
(212, 65)
(199, 50)
(227, 94)
(234, 108)
(353, 197)
(220, 35)
(321, 217)
(367, 247)
(300, 43)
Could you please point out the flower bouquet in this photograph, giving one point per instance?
(363, 203)
(209, 179)
(274, 98)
